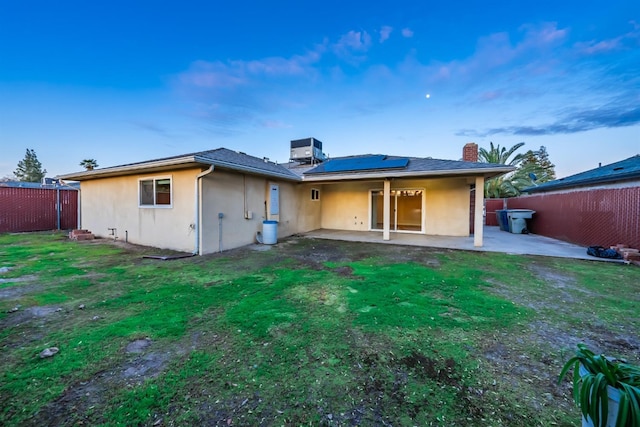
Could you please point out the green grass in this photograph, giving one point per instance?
(269, 338)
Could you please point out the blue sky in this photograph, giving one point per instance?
(130, 81)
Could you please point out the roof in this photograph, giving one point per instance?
(623, 170)
(368, 166)
(220, 158)
(381, 166)
(24, 184)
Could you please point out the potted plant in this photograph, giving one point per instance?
(606, 390)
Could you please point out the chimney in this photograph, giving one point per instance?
(470, 152)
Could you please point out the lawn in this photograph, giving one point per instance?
(308, 332)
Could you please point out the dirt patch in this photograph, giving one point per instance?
(346, 271)
(566, 285)
(16, 292)
(137, 346)
(29, 314)
(431, 368)
(144, 359)
(315, 253)
(81, 401)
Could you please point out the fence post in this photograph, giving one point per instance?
(58, 206)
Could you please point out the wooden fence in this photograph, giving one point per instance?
(37, 209)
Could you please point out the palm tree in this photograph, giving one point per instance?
(501, 186)
(501, 155)
(89, 164)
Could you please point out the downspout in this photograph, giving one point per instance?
(79, 210)
(196, 250)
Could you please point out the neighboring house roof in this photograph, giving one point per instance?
(380, 166)
(23, 184)
(220, 158)
(341, 168)
(624, 170)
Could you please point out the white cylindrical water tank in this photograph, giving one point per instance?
(269, 232)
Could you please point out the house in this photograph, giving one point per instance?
(600, 206)
(216, 200)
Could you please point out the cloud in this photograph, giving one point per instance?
(203, 74)
(151, 127)
(275, 124)
(613, 115)
(231, 92)
(352, 46)
(497, 54)
(593, 47)
(385, 32)
(407, 33)
(629, 40)
(213, 75)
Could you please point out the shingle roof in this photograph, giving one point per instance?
(233, 160)
(241, 161)
(221, 157)
(620, 171)
(418, 165)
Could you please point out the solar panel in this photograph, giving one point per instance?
(374, 162)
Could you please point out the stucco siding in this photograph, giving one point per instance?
(113, 203)
(235, 195)
(445, 206)
(309, 211)
(345, 206)
(228, 194)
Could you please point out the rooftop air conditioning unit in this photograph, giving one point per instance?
(307, 150)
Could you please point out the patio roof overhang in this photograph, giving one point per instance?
(391, 174)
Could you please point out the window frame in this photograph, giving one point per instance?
(155, 204)
(315, 192)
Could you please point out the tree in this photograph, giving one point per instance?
(89, 164)
(501, 155)
(30, 169)
(501, 186)
(534, 168)
(531, 167)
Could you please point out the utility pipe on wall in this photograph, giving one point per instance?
(196, 250)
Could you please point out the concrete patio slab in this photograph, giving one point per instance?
(495, 240)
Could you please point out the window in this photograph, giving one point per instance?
(155, 192)
(315, 194)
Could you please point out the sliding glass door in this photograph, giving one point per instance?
(406, 210)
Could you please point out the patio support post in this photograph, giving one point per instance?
(386, 209)
(478, 230)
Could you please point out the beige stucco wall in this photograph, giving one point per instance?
(234, 194)
(346, 206)
(447, 209)
(113, 203)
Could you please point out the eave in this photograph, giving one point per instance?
(390, 174)
(177, 163)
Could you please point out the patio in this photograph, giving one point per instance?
(494, 241)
